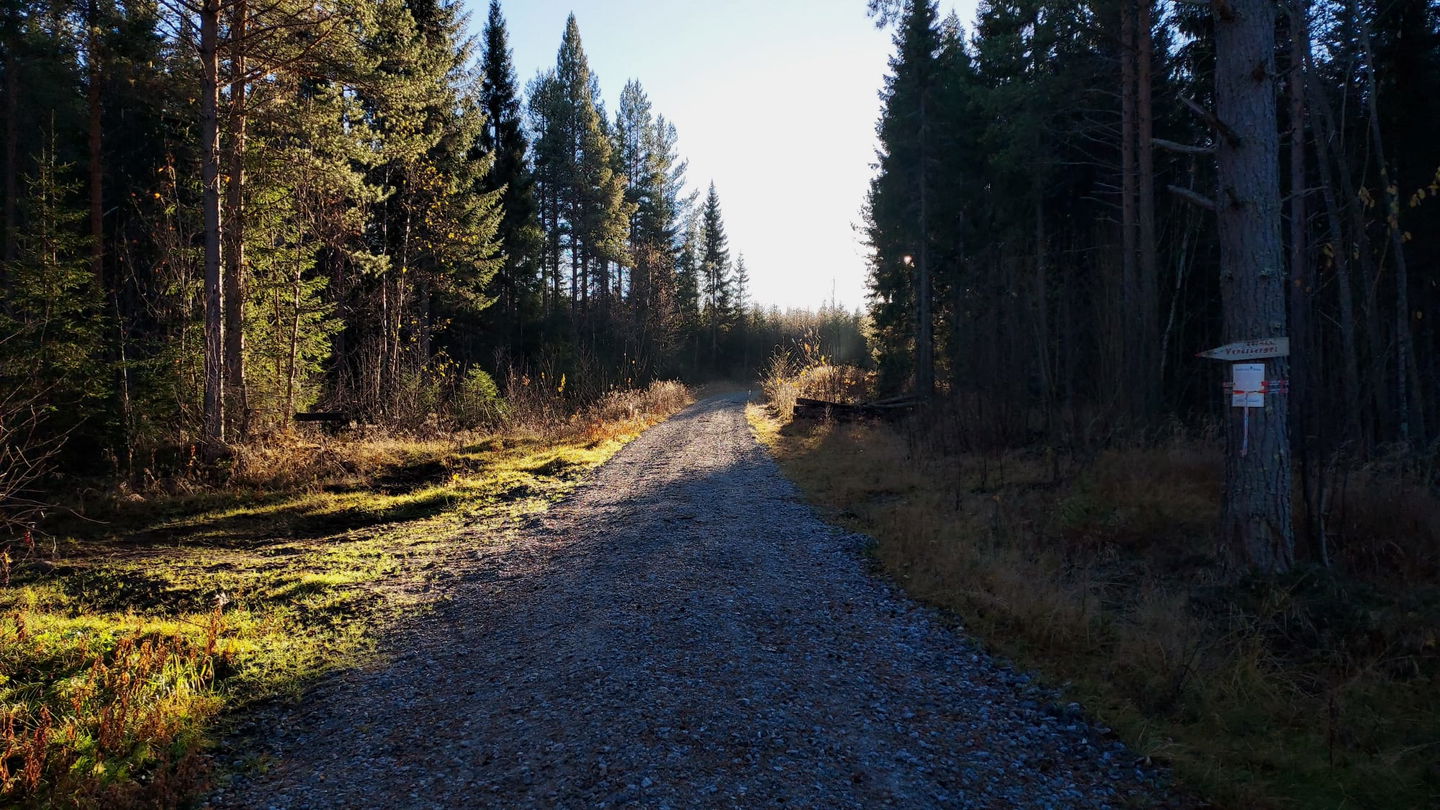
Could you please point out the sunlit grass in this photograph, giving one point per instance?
(153, 620)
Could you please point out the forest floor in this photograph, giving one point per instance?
(682, 631)
(1098, 572)
(130, 635)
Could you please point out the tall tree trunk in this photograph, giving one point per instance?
(293, 349)
(1256, 526)
(1131, 300)
(214, 414)
(1340, 256)
(12, 151)
(1412, 425)
(94, 75)
(424, 332)
(238, 408)
(1374, 383)
(1148, 369)
(1305, 401)
(925, 325)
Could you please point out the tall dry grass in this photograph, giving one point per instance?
(788, 376)
(1317, 690)
(535, 407)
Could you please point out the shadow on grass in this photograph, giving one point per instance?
(258, 529)
(110, 590)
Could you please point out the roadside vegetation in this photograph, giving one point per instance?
(134, 625)
(1099, 570)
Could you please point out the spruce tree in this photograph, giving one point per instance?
(714, 271)
(52, 348)
(520, 234)
(437, 227)
(687, 291)
(899, 229)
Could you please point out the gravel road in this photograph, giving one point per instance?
(684, 632)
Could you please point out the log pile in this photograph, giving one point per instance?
(891, 408)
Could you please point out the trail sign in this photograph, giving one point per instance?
(1248, 381)
(1250, 349)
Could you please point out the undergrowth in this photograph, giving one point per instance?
(1316, 690)
(128, 632)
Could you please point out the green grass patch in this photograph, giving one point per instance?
(128, 634)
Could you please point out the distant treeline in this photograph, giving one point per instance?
(217, 214)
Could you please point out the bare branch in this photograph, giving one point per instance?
(1193, 197)
(1216, 124)
(1183, 148)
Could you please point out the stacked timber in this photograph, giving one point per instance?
(878, 409)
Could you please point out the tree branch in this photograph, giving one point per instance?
(1230, 136)
(1183, 148)
(1193, 197)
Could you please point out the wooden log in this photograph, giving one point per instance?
(806, 408)
(332, 422)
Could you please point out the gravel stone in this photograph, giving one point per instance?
(684, 632)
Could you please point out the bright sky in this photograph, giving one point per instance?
(775, 100)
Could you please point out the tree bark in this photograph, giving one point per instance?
(1340, 256)
(1131, 300)
(1257, 526)
(925, 322)
(94, 76)
(12, 151)
(1149, 380)
(1412, 426)
(214, 402)
(238, 407)
(1304, 400)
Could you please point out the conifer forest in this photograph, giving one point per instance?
(217, 215)
(385, 422)
(1074, 199)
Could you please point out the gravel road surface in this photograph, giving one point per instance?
(684, 632)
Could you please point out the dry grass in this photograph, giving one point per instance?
(1317, 691)
(127, 635)
(787, 377)
(1386, 526)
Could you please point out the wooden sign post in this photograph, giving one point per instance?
(1250, 350)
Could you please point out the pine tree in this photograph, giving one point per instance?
(1256, 525)
(576, 166)
(646, 151)
(550, 157)
(520, 233)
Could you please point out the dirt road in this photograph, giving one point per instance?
(684, 632)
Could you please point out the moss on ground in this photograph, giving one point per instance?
(128, 634)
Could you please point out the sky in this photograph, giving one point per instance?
(774, 100)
